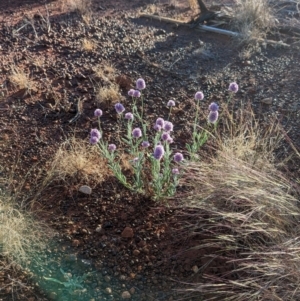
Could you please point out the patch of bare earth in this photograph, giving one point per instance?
(127, 241)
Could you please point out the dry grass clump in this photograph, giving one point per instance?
(109, 95)
(21, 236)
(253, 18)
(244, 213)
(87, 45)
(20, 79)
(193, 5)
(79, 160)
(83, 7)
(106, 71)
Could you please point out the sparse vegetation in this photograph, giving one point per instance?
(88, 45)
(108, 95)
(20, 79)
(244, 210)
(83, 7)
(223, 166)
(21, 235)
(106, 71)
(77, 160)
(253, 18)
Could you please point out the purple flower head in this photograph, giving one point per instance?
(136, 93)
(157, 127)
(213, 116)
(199, 95)
(171, 103)
(112, 147)
(137, 133)
(213, 107)
(165, 136)
(95, 133)
(140, 84)
(130, 92)
(94, 140)
(98, 113)
(178, 157)
(168, 127)
(175, 171)
(119, 108)
(129, 116)
(145, 144)
(159, 121)
(233, 87)
(158, 152)
(170, 140)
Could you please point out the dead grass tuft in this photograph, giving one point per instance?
(78, 159)
(88, 45)
(83, 7)
(193, 5)
(245, 215)
(253, 18)
(21, 236)
(109, 95)
(20, 79)
(106, 72)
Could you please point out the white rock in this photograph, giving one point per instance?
(195, 269)
(85, 189)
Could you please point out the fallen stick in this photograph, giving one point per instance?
(212, 29)
(201, 27)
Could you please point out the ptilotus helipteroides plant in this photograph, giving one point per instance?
(155, 168)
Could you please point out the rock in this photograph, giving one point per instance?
(85, 189)
(107, 278)
(124, 81)
(75, 243)
(52, 296)
(126, 295)
(136, 252)
(195, 269)
(267, 101)
(108, 290)
(100, 230)
(127, 232)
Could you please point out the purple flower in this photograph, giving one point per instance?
(213, 116)
(175, 171)
(140, 84)
(98, 113)
(213, 107)
(159, 121)
(95, 133)
(158, 152)
(130, 92)
(129, 116)
(178, 157)
(157, 127)
(170, 140)
(168, 127)
(136, 93)
(171, 103)
(119, 108)
(199, 95)
(145, 144)
(165, 136)
(137, 133)
(233, 87)
(94, 140)
(112, 147)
